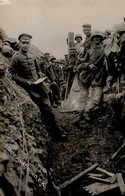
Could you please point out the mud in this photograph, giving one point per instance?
(87, 144)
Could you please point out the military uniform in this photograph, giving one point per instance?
(88, 41)
(87, 45)
(25, 69)
(79, 44)
(120, 92)
(92, 75)
(54, 82)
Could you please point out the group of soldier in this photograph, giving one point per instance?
(97, 62)
(99, 65)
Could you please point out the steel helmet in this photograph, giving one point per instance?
(52, 57)
(96, 33)
(78, 35)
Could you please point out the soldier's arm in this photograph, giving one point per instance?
(14, 71)
(53, 76)
(39, 70)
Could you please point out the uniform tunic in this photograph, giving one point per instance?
(24, 67)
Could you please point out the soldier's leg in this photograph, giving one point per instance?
(89, 102)
(94, 98)
(97, 95)
(51, 98)
(85, 113)
(84, 78)
(56, 93)
(48, 117)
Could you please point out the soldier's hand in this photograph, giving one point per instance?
(81, 59)
(119, 96)
(69, 67)
(29, 83)
(54, 82)
(92, 67)
(74, 68)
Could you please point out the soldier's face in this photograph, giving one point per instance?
(96, 40)
(24, 45)
(47, 56)
(78, 39)
(87, 30)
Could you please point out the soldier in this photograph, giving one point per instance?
(25, 71)
(87, 31)
(60, 74)
(107, 33)
(106, 36)
(47, 55)
(116, 99)
(87, 45)
(7, 51)
(120, 92)
(12, 43)
(79, 43)
(44, 63)
(48, 71)
(54, 81)
(93, 74)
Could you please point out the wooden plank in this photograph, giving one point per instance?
(110, 181)
(68, 182)
(105, 172)
(1, 192)
(98, 187)
(121, 183)
(115, 154)
(95, 175)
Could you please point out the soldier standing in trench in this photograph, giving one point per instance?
(92, 74)
(25, 71)
(117, 98)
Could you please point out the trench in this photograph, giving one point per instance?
(87, 144)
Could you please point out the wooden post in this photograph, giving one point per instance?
(70, 45)
(70, 42)
(121, 183)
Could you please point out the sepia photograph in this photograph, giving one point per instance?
(62, 97)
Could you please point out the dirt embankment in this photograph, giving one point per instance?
(23, 143)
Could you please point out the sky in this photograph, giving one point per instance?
(49, 21)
